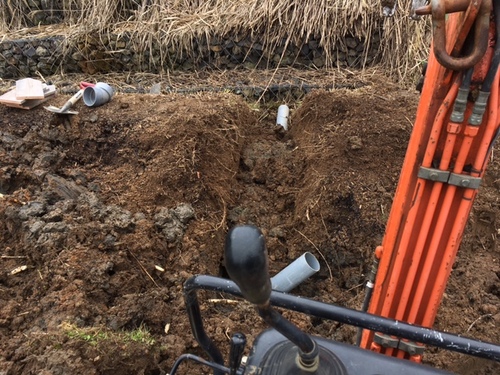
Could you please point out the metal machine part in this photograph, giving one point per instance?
(355, 361)
(246, 264)
(447, 155)
(276, 351)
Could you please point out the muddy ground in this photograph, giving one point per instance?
(104, 215)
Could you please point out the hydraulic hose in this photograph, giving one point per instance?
(196, 322)
(370, 284)
(185, 357)
(308, 350)
(482, 100)
(495, 61)
(452, 130)
(457, 116)
(464, 208)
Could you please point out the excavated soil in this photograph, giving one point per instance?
(105, 214)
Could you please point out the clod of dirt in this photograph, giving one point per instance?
(172, 222)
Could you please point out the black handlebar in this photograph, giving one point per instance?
(336, 313)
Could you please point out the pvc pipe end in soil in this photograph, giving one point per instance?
(97, 95)
(282, 118)
(295, 273)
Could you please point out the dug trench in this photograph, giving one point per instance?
(105, 214)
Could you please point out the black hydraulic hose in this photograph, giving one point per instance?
(495, 61)
(484, 93)
(196, 322)
(479, 108)
(192, 357)
(368, 296)
(309, 349)
(467, 79)
(370, 284)
(460, 104)
(348, 316)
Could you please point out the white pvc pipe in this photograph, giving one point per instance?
(101, 93)
(282, 118)
(295, 273)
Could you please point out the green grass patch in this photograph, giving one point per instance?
(95, 335)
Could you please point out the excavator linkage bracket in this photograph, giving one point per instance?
(460, 180)
(433, 174)
(386, 341)
(409, 347)
(465, 181)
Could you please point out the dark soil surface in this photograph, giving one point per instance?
(105, 214)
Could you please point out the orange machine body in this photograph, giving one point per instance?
(444, 164)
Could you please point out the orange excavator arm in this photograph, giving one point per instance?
(456, 125)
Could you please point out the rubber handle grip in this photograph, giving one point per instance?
(247, 264)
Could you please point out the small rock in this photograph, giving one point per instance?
(496, 318)
(94, 187)
(54, 215)
(109, 267)
(169, 222)
(39, 173)
(163, 218)
(172, 234)
(139, 216)
(46, 159)
(90, 200)
(29, 52)
(41, 51)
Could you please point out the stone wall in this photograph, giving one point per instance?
(110, 53)
(49, 55)
(25, 57)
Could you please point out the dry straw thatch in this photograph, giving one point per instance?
(177, 24)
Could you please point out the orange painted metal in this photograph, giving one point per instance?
(464, 201)
(482, 22)
(451, 6)
(428, 217)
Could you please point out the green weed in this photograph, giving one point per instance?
(93, 335)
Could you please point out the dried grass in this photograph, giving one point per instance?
(178, 25)
(12, 15)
